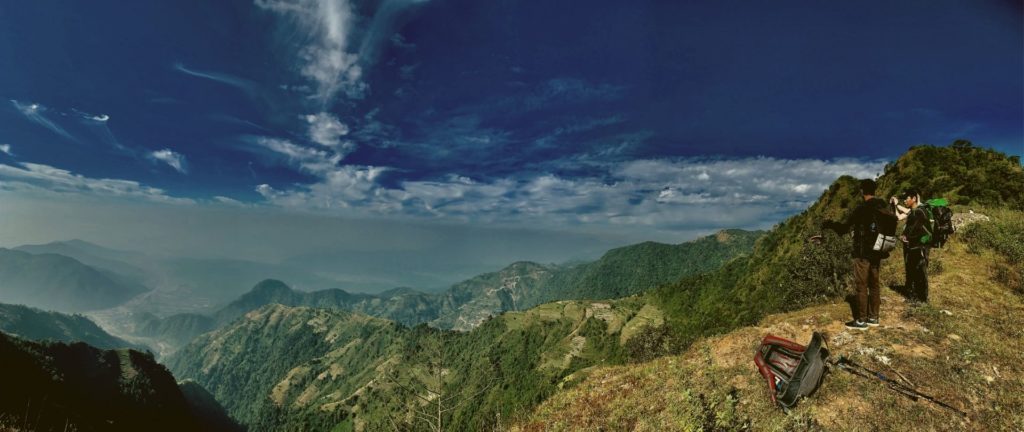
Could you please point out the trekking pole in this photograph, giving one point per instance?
(856, 369)
(869, 375)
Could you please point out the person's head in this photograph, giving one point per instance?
(909, 197)
(868, 187)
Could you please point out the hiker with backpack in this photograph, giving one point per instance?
(917, 236)
(874, 236)
(929, 225)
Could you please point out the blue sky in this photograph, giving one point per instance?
(647, 119)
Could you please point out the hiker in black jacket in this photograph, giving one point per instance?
(866, 260)
(915, 248)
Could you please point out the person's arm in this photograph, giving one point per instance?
(901, 212)
(843, 227)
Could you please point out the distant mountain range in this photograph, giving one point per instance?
(620, 272)
(34, 324)
(62, 387)
(57, 282)
(180, 285)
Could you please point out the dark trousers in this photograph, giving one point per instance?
(865, 280)
(916, 261)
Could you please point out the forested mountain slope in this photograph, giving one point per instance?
(61, 387)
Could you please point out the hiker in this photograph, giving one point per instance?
(916, 239)
(866, 260)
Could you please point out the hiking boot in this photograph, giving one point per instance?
(873, 322)
(856, 325)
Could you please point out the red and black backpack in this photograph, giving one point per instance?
(792, 370)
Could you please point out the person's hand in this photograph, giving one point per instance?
(894, 201)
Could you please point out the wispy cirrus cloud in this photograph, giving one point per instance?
(333, 49)
(37, 113)
(171, 158)
(325, 26)
(99, 125)
(6, 149)
(98, 118)
(36, 179)
(243, 84)
(309, 160)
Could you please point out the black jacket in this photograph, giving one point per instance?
(860, 222)
(917, 227)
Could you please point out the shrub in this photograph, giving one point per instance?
(1003, 234)
(652, 342)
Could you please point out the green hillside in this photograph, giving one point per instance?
(273, 368)
(407, 307)
(323, 368)
(618, 273)
(633, 269)
(61, 387)
(34, 324)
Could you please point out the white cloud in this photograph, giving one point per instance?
(266, 191)
(309, 160)
(326, 130)
(326, 26)
(6, 148)
(35, 112)
(332, 55)
(172, 158)
(656, 194)
(35, 179)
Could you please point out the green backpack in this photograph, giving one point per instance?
(940, 222)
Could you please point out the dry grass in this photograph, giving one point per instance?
(962, 348)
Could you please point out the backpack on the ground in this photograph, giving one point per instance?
(883, 230)
(792, 370)
(940, 222)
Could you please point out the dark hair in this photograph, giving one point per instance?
(909, 193)
(868, 186)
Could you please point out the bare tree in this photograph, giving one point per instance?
(427, 384)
